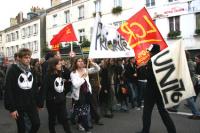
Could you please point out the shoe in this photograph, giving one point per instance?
(90, 127)
(80, 127)
(172, 110)
(108, 115)
(194, 117)
(99, 123)
(138, 108)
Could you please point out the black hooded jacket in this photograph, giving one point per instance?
(21, 90)
(49, 92)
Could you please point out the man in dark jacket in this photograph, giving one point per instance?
(131, 80)
(152, 96)
(21, 92)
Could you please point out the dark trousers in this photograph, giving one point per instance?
(140, 92)
(1, 91)
(83, 120)
(152, 96)
(94, 106)
(57, 110)
(33, 116)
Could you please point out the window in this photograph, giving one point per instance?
(0, 38)
(12, 51)
(54, 20)
(28, 31)
(23, 32)
(172, 0)
(29, 46)
(150, 3)
(198, 21)
(23, 45)
(8, 38)
(81, 35)
(17, 48)
(17, 35)
(117, 3)
(67, 16)
(174, 23)
(81, 12)
(36, 46)
(35, 29)
(12, 37)
(97, 4)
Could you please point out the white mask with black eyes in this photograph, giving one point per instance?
(25, 80)
(59, 85)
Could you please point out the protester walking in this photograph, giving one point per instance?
(81, 90)
(21, 92)
(54, 93)
(152, 96)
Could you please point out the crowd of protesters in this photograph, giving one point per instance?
(97, 88)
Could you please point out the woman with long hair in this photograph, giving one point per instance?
(81, 90)
(55, 96)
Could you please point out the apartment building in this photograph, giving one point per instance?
(176, 19)
(28, 34)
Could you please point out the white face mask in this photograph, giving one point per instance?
(59, 85)
(25, 80)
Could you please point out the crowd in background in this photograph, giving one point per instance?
(97, 87)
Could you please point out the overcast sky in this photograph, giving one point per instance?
(10, 8)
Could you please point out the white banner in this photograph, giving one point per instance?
(107, 43)
(172, 75)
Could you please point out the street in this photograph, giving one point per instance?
(123, 122)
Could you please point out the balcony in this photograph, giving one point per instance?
(174, 35)
(117, 10)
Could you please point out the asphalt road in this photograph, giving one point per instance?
(122, 122)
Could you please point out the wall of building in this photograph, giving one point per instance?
(187, 20)
(163, 8)
(28, 37)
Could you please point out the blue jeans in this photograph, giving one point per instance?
(132, 87)
(193, 106)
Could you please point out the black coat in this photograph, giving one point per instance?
(17, 98)
(48, 91)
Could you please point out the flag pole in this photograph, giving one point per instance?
(71, 47)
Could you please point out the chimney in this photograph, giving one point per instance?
(21, 17)
(55, 2)
(13, 21)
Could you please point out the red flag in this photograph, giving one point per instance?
(55, 47)
(140, 32)
(65, 35)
